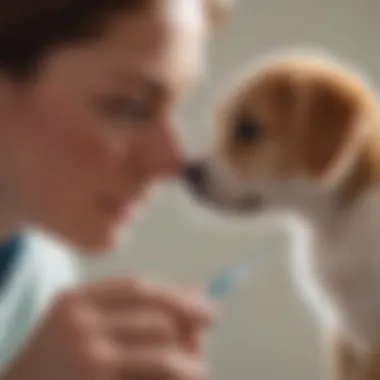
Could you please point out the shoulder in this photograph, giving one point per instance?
(44, 268)
(45, 252)
(364, 217)
(361, 233)
(51, 265)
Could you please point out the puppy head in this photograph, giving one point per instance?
(296, 123)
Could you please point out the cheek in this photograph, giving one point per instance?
(73, 141)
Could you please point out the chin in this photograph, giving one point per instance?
(95, 242)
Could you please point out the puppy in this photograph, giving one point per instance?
(302, 134)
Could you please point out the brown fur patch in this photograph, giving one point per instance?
(366, 172)
(330, 119)
(270, 100)
(345, 362)
(372, 368)
(349, 364)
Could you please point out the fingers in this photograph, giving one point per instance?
(101, 358)
(194, 341)
(122, 329)
(122, 293)
(164, 364)
(142, 326)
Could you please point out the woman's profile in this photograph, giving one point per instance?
(88, 96)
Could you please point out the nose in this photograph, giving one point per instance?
(161, 155)
(195, 174)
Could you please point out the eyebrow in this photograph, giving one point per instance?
(155, 87)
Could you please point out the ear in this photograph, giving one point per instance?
(331, 129)
(282, 91)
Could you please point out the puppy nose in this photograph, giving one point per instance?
(195, 174)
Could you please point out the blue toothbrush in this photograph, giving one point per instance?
(226, 282)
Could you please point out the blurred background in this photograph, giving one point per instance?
(265, 331)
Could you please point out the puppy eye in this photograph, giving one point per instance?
(248, 131)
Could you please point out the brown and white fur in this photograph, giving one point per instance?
(303, 134)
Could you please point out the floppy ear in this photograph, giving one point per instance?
(331, 129)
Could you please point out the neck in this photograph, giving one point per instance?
(323, 209)
(8, 230)
(316, 207)
(9, 221)
(365, 173)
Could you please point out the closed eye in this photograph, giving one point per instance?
(124, 109)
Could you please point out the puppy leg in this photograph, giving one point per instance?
(345, 362)
(372, 367)
(348, 364)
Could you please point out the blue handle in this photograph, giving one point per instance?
(226, 282)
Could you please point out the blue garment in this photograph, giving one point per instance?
(9, 253)
(33, 270)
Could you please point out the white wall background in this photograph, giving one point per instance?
(265, 331)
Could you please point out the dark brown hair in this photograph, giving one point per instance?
(29, 29)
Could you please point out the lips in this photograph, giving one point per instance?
(127, 211)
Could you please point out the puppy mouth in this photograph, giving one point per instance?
(249, 203)
(197, 182)
(241, 205)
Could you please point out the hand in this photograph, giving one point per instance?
(120, 329)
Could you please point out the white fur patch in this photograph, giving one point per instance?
(340, 272)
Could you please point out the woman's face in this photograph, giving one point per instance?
(81, 144)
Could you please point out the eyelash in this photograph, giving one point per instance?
(125, 109)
